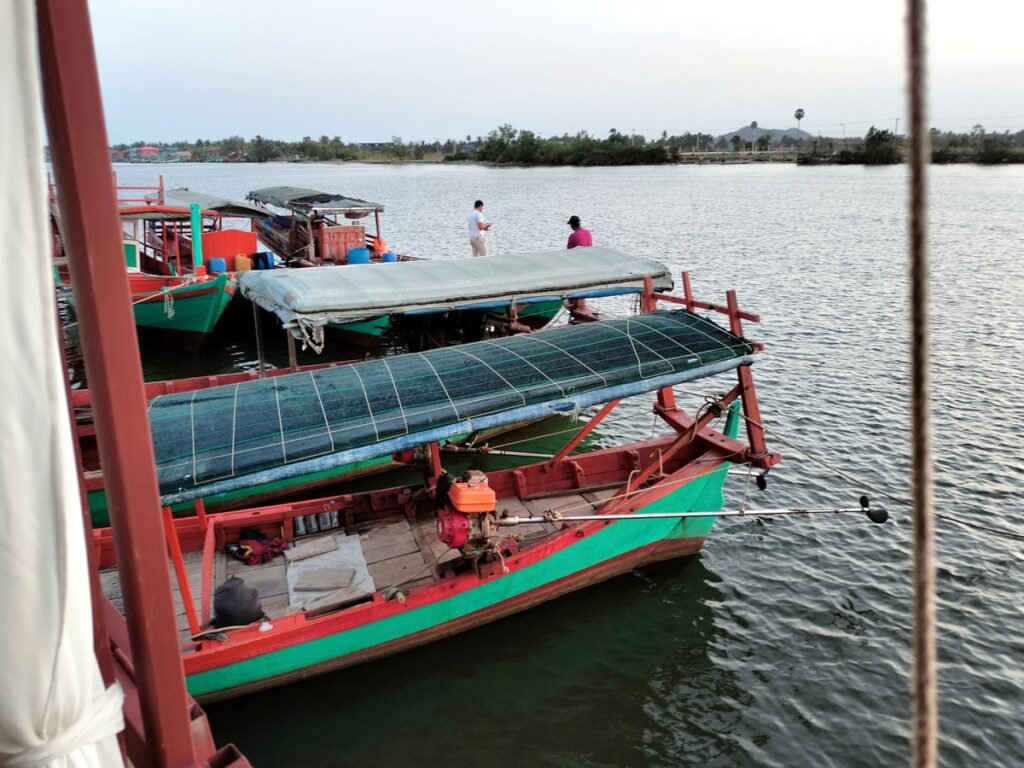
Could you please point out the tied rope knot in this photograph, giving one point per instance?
(168, 302)
(100, 720)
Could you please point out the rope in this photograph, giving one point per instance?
(859, 481)
(165, 292)
(925, 696)
(168, 303)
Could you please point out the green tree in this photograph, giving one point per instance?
(880, 148)
(261, 150)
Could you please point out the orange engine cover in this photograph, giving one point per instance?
(471, 498)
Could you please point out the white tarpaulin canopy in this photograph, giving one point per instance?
(54, 710)
(316, 296)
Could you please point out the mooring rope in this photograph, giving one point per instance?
(165, 292)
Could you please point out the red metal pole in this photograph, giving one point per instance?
(81, 161)
(200, 506)
(174, 546)
(578, 438)
(688, 292)
(436, 470)
(748, 394)
(649, 303)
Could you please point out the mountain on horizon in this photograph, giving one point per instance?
(752, 132)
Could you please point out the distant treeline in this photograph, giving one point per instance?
(881, 147)
(508, 145)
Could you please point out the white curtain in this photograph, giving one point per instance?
(54, 710)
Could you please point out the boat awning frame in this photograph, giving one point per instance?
(176, 205)
(312, 201)
(209, 442)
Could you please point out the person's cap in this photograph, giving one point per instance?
(573, 221)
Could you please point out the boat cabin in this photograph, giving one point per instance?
(319, 228)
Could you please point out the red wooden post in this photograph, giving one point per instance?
(578, 438)
(648, 303)
(200, 506)
(92, 238)
(174, 547)
(748, 395)
(688, 292)
(206, 580)
(436, 470)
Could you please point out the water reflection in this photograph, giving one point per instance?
(597, 678)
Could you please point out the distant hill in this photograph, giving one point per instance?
(748, 134)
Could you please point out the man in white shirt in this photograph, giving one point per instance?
(477, 229)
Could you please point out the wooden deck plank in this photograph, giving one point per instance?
(600, 496)
(275, 606)
(375, 550)
(424, 542)
(387, 573)
(267, 581)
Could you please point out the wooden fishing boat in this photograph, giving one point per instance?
(303, 486)
(436, 303)
(320, 228)
(228, 230)
(356, 291)
(374, 573)
(175, 297)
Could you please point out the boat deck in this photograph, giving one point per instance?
(397, 552)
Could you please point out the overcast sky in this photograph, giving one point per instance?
(433, 69)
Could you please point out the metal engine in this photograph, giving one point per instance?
(465, 513)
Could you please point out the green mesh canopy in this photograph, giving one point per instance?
(212, 439)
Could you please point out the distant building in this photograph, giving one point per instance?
(138, 153)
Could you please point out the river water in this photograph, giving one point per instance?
(786, 642)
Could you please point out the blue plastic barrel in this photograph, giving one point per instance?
(263, 260)
(216, 266)
(389, 257)
(358, 255)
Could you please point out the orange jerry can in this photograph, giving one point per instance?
(471, 498)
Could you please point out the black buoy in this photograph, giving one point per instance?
(762, 481)
(875, 514)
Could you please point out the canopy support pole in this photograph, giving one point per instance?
(259, 340)
(570, 446)
(178, 560)
(293, 357)
(649, 303)
(436, 470)
(748, 394)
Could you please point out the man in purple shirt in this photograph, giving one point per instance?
(580, 237)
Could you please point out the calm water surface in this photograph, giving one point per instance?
(786, 642)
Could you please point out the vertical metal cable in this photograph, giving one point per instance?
(924, 672)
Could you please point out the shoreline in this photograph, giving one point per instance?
(710, 158)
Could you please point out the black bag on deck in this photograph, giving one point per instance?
(235, 604)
